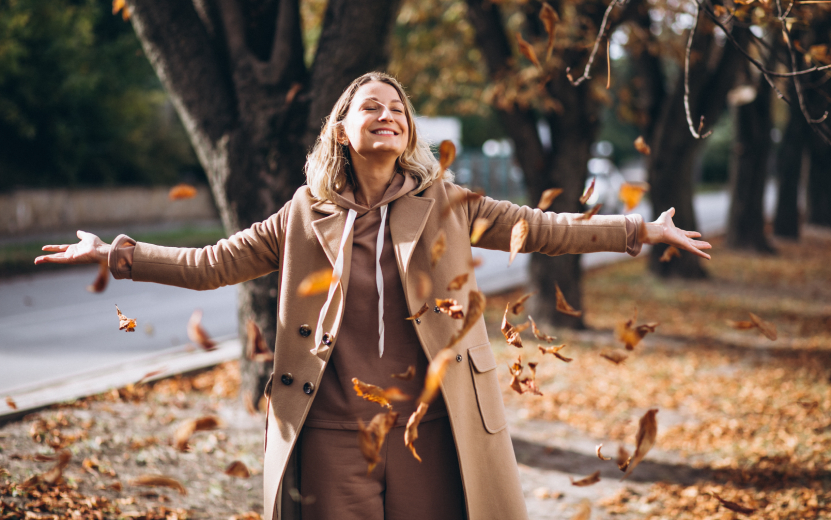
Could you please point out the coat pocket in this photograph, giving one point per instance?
(486, 385)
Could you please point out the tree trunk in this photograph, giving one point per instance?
(819, 183)
(235, 73)
(789, 171)
(749, 172)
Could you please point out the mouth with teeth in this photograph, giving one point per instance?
(384, 132)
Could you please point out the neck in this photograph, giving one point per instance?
(373, 177)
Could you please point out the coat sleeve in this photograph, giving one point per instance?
(247, 254)
(553, 233)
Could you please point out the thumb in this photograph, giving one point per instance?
(671, 212)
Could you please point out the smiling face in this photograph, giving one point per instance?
(376, 123)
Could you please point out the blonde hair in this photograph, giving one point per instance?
(327, 168)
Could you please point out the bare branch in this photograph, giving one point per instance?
(696, 134)
(603, 26)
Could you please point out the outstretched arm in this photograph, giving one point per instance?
(90, 250)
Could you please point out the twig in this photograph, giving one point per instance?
(695, 134)
(586, 72)
(608, 66)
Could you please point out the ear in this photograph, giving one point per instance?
(340, 135)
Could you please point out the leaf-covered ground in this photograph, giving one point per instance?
(740, 416)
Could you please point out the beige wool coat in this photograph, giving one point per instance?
(304, 237)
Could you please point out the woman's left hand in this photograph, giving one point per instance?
(664, 231)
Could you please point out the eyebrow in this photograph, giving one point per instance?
(373, 98)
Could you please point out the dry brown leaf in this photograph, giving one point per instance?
(458, 282)
(447, 154)
(438, 248)
(614, 356)
(159, 481)
(197, 333)
(548, 197)
(256, 349)
(371, 438)
(411, 433)
(540, 335)
(475, 262)
(435, 373)
(451, 307)
(101, 279)
(594, 478)
(767, 328)
(590, 213)
(669, 253)
(480, 225)
(549, 19)
(125, 323)
(623, 458)
(510, 331)
(631, 194)
(527, 50)
(54, 475)
(315, 283)
(475, 308)
(519, 233)
(641, 146)
(424, 285)
(10, 403)
(424, 308)
(457, 200)
(555, 351)
(181, 192)
(528, 384)
(588, 193)
(645, 439)
(630, 334)
(407, 375)
(237, 469)
(600, 455)
(584, 510)
(732, 506)
(563, 306)
(519, 305)
(379, 395)
(191, 426)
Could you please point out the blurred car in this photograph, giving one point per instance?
(607, 181)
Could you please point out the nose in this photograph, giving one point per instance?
(386, 114)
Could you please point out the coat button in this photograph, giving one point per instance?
(305, 331)
(286, 379)
(418, 321)
(436, 309)
(308, 388)
(458, 358)
(327, 340)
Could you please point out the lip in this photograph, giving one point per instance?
(375, 132)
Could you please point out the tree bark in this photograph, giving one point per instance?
(789, 170)
(234, 70)
(819, 183)
(749, 172)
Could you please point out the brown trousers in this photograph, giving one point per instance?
(333, 470)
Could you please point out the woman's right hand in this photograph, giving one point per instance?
(90, 250)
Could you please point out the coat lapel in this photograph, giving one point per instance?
(407, 220)
(329, 231)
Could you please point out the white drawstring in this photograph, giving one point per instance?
(379, 281)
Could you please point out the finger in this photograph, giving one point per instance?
(701, 244)
(56, 249)
(58, 258)
(81, 234)
(687, 246)
(692, 234)
(671, 212)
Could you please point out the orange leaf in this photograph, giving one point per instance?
(641, 146)
(645, 439)
(450, 307)
(237, 469)
(101, 280)
(511, 332)
(669, 253)
(590, 213)
(121, 5)
(549, 19)
(563, 306)
(480, 225)
(540, 335)
(614, 356)
(589, 192)
(438, 248)
(411, 433)
(315, 283)
(600, 455)
(767, 328)
(594, 478)
(447, 154)
(181, 192)
(159, 480)
(379, 395)
(125, 323)
(630, 334)
(527, 50)
(457, 282)
(623, 458)
(424, 285)
(435, 373)
(519, 306)
(631, 194)
(424, 308)
(475, 308)
(191, 426)
(197, 333)
(732, 506)
(256, 348)
(371, 438)
(406, 376)
(555, 351)
(10, 403)
(519, 233)
(528, 384)
(548, 196)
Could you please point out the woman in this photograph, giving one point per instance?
(370, 211)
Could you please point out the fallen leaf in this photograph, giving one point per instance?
(424, 308)
(125, 323)
(424, 285)
(614, 356)
(10, 403)
(767, 328)
(458, 282)
(623, 458)
(594, 478)
(197, 333)
(438, 248)
(292, 93)
(563, 306)
(450, 307)
(152, 373)
(528, 384)
(548, 197)
(160, 481)
(101, 280)
(644, 440)
(527, 50)
(549, 19)
(480, 225)
(584, 510)
(181, 192)
(555, 351)
(732, 506)
(379, 395)
(435, 373)
(237, 469)
(519, 233)
(540, 335)
(315, 283)
(411, 433)
(631, 335)
(588, 192)
(54, 475)
(641, 146)
(256, 349)
(371, 437)
(191, 426)
(447, 154)
(600, 455)
(475, 307)
(510, 331)
(408, 375)
(458, 199)
(631, 194)
(669, 253)
(590, 213)
(519, 305)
